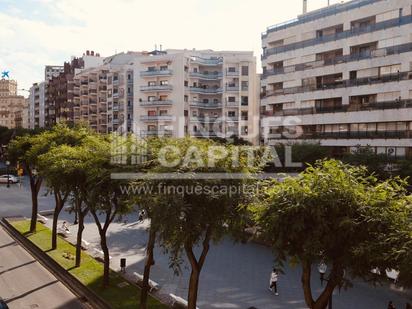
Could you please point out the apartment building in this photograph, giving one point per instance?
(59, 105)
(103, 95)
(171, 93)
(37, 98)
(11, 105)
(51, 71)
(198, 93)
(341, 76)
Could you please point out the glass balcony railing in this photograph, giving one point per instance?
(156, 88)
(322, 13)
(395, 22)
(210, 61)
(204, 119)
(206, 76)
(371, 80)
(232, 88)
(206, 90)
(352, 107)
(156, 117)
(156, 73)
(156, 103)
(206, 105)
(377, 53)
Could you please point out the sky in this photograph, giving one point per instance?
(35, 33)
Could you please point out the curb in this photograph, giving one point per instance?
(84, 293)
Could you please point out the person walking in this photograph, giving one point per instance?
(391, 306)
(273, 286)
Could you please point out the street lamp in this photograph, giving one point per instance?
(7, 173)
(322, 268)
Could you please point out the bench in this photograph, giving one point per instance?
(99, 255)
(179, 302)
(42, 219)
(85, 244)
(154, 286)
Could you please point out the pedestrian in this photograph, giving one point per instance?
(273, 281)
(391, 306)
(142, 214)
(64, 226)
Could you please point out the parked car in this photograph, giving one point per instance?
(12, 179)
(3, 304)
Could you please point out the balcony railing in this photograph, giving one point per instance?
(377, 53)
(232, 88)
(206, 105)
(204, 134)
(395, 22)
(354, 135)
(156, 133)
(156, 73)
(322, 13)
(156, 88)
(229, 73)
(204, 61)
(206, 76)
(206, 90)
(232, 104)
(156, 118)
(204, 119)
(378, 79)
(156, 103)
(353, 107)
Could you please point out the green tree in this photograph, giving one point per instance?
(338, 214)
(206, 212)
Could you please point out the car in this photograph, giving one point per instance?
(3, 304)
(12, 179)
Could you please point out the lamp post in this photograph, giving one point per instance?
(322, 268)
(7, 173)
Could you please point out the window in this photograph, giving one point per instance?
(151, 83)
(245, 101)
(244, 115)
(231, 69)
(129, 103)
(186, 98)
(162, 112)
(151, 69)
(186, 113)
(231, 99)
(151, 98)
(164, 82)
(244, 130)
(151, 128)
(231, 114)
(245, 85)
(194, 113)
(151, 113)
(163, 98)
(129, 76)
(186, 83)
(163, 68)
(129, 90)
(195, 70)
(245, 70)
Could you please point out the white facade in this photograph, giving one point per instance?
(37, 105)
(341, 76)
(173, 92)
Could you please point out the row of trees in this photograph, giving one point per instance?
(332, 212)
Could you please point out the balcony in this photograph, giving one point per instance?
(371, 80)
(204, 119)
(206, 90)
(208, 62)
(206, 134)
(156, 133)
(232, 88)
(156, 103)
(231, 73)
(156, 73)
(156, 88)
(206, 76)
(232, 104)
(156, 118)
(387, 24)
(206, 105)
(352, 107)
(377, 53)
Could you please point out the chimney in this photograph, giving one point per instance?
(92, 52)
(87, 52)
(305, 6)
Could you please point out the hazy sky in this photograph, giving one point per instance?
(34, 33)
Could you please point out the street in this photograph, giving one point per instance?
(24, 283)
(234, 276)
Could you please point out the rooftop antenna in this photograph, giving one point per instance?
(305, 6)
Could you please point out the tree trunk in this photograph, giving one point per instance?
(193, 288)
(57, 209)
(79, 239)
(106, 272)
(148, 265)
(34, 203)
(307, 290)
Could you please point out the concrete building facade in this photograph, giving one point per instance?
(341, 76)
(37, 99)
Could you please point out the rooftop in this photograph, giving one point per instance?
(320, 13)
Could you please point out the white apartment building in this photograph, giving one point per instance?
(341, 76)
(36, 105)
(172, 92)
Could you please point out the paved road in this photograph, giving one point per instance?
(24, 283)
(234, 275)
